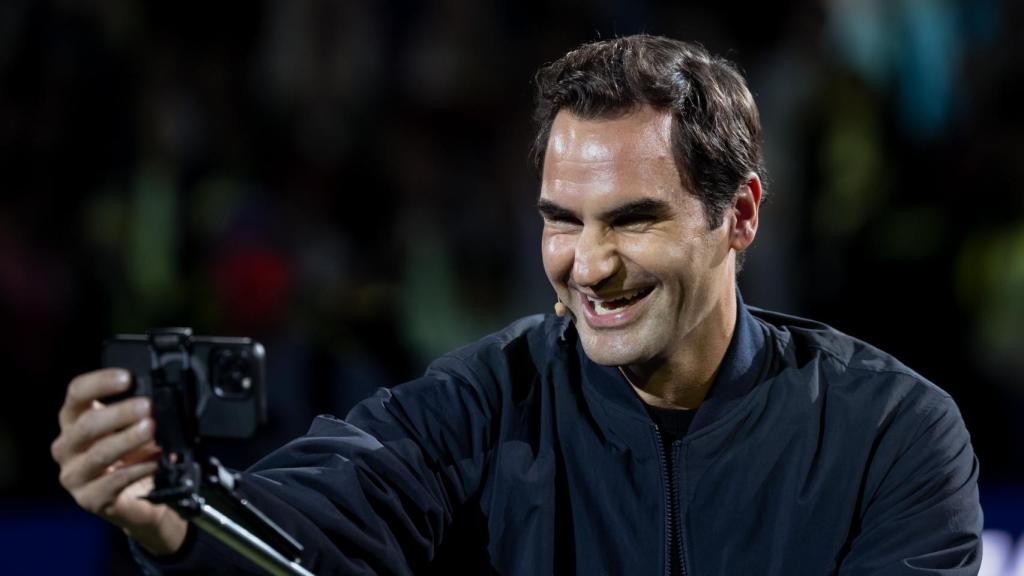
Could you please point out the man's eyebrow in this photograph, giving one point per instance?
(644, 208)
(552, 211)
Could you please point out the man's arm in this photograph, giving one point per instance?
(372, 494)
(920, 512)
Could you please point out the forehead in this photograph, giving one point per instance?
(645, 132)
(623, 155)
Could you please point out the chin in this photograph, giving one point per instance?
(610, 350)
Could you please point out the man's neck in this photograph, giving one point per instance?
(683, 380)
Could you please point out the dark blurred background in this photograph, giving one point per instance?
(348, 181)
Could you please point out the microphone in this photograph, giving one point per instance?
(561, 309)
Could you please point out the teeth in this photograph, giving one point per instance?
(600, 308)
(609, 306)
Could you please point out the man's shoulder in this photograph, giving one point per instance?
(845, 360)
(525, 344)
(479, 376)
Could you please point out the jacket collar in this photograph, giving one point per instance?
(619, 411)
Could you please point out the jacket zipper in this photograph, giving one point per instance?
(679, 533)
(673, 523)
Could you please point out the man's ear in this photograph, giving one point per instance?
(745, 207)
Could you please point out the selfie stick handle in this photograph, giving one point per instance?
(223, 528)
(214, 506)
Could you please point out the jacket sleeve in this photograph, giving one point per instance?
(373, 494)
(920, 513)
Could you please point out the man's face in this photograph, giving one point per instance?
(625, 245)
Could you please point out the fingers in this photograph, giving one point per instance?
(83, 467)
(100, 496)
(97, 423)
(88, 387)
(147, 451)
(106, 456)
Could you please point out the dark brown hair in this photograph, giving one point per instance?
(716, 127)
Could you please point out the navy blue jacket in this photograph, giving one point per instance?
(814, 453)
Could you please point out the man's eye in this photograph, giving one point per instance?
(562, 221)
(633, 222)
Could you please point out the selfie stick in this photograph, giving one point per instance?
(207, 495)
(215, 507)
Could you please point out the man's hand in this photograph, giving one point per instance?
(107, 458)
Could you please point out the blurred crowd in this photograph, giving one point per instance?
(349, 183)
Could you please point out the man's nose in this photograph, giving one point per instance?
(597, 258)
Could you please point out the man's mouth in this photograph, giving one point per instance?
(603, 306)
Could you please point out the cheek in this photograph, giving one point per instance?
(558, 252)
(653, 253)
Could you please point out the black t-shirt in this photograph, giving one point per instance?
(672, 422)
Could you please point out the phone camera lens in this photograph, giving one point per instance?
(232, 373)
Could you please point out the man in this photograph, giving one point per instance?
(654, 424)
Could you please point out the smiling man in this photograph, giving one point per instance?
(654, 425)
(630, 251)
